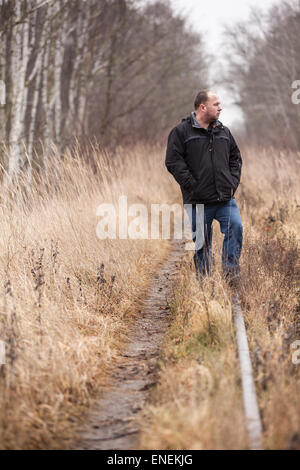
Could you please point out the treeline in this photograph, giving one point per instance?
(85, 70)
(264, 63)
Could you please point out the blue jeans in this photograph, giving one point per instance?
(228, 216)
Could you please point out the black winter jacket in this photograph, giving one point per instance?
(206, 163)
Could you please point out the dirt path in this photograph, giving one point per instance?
(112, 422)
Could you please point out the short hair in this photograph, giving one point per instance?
(201, 98)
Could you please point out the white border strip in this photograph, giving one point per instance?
(251, 409)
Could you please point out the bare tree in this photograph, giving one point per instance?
(263, 67)
(109, 70)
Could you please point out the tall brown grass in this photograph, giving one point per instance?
(197, 403)
(67, 297)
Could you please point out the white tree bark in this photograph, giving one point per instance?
(19, 91)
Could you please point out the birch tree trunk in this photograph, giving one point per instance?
(19, 91)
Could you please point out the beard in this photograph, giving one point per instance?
(213, 118)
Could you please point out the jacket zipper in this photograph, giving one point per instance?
(211, 148)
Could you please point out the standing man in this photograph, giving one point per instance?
(204, 159)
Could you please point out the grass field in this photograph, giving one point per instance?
(67, 299)
(197, 403)
(67, 296)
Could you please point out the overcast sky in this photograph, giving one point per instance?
(209, 18)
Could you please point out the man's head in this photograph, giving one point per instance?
(207, 106)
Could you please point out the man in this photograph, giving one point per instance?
(204, 158)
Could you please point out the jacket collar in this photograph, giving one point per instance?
(196, 124)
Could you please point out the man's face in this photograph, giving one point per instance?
(212, 108)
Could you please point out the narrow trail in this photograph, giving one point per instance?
(112, 422)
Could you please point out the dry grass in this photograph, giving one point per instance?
(66, 296)
(197, 399)
(67, 300)
(197, 402)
